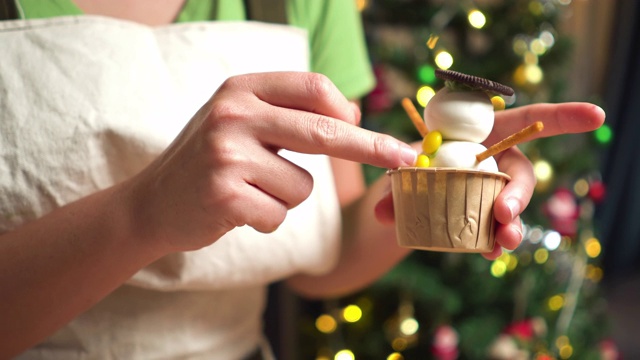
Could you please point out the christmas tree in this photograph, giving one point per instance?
(540, 301)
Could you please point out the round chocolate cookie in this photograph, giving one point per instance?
(474, 82)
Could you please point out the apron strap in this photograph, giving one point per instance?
(8, 10)
(271, 11)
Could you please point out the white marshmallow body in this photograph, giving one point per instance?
(462, 154)
(460, 115)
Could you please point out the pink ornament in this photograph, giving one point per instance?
(445, 343)
(562, 210)
(609, 350)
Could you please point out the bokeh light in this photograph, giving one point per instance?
(498, 268)
(565, 350)
(352, 313)
(547, 38)
(424, 94)
(594, 273)
(520, 46)
(409, 326)
(476, 19)
(345, 354)
(556, 302)
(543, 170)
(603, 134)
(593, 248)
(444, 60)
(581, 187)
(399, 344)
(552, 240)
(541, 256)
(326, 324)
(426, 74)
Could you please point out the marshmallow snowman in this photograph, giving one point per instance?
(459, 119)
(464, 118)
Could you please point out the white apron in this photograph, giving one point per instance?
(86, 102)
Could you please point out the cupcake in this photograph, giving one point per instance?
(445, 202)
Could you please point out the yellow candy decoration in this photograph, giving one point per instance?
(498, 103)
(431, 142)
(422, 161)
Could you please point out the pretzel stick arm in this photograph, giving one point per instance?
(511, 140)
(415, 117)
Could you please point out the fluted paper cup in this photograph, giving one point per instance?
(445, 209)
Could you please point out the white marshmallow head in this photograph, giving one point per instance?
(460, 115)
(462, 154)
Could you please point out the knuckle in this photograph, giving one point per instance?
(223, 112)
(224, 152)
(324, 131)
(319, 85)
(381, 146)
(231, 82)
(303, 189)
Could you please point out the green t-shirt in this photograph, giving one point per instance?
(336, 38)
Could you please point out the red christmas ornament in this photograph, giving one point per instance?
(521, 329)
(562, 210)
(445, 343)
(597, 191)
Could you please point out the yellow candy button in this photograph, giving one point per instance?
(422, 161)
(431, 142)
(498, 103)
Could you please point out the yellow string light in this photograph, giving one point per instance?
(399, 344)
(541, 256)
(444, 60)
(409, 326)
(345, 354)
(352, 313)
(581, 188)
(424, 95)
(476, 19)
(498, 268)
(594, 273)
(326, 324)
(593, 248)
(555, 302)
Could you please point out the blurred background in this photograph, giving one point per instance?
(571, 290)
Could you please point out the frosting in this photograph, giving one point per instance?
(460, 115)
(462, 154)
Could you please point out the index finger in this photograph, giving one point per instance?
(311, 133)
(558, 119)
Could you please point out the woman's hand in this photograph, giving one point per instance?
(224, 170)
(566, 118)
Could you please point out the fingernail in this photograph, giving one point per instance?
(408, 155)
(514, 207)
(518, 230)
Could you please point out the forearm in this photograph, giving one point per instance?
(56, 267)
(369, 250)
